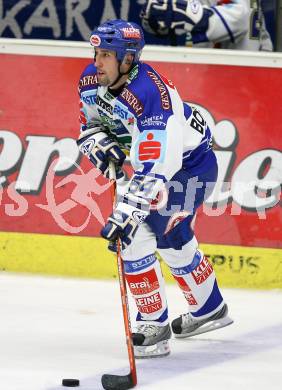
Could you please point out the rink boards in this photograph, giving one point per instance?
(236, 266)
(47, 228)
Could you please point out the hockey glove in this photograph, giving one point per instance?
(101, 148)
(159, 17)
(123, 224)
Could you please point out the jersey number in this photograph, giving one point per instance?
(198, 123)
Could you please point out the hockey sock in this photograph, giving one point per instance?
(146, 283)
(199, 286)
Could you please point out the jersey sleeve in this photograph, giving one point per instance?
(226, 21)
(87, 90)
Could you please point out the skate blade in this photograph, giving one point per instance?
(161, 349)
(208, 327)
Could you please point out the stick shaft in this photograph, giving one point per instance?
(123, 289)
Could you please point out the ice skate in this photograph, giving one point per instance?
(151, 341)
(186, 325)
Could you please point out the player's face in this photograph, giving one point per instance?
(107, 66)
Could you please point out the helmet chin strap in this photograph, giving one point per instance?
(118, 78)
(120, 74)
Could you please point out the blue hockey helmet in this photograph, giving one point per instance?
(120, 36)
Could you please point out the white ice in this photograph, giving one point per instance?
(54, 328)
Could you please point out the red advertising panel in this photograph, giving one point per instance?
(39, 123)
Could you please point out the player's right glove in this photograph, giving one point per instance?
(101, 148)
(123, 224)
(159, 17)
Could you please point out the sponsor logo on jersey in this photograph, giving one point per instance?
(82, 116)
(151, 146)
(133, 101)
(89, 97)
(123, 114)
(203, 271)
(186, 290)
(87, 80)
(95, 40)
(108, 96)
(104, 105)
(149, 304)
(143, 284)
(108, 122)
(154, 120)
(133, 73)
(121, 110)
(131, 32)
(162, 89)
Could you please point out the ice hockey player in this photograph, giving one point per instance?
(227, 24)
(126, 105)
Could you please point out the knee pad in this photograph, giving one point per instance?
(144, 242)
(180, 257)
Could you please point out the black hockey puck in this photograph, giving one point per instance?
(70, 382)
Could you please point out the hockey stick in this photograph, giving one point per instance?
(121, 382)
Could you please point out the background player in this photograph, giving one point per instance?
(228, 24)
(128, 105)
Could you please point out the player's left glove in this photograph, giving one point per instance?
(159, 17)
(123, 224)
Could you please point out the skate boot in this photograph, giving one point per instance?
(151, 341)
(186, 325)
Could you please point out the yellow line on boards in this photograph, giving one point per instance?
(235, 266)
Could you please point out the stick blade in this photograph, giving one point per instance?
(117, 382)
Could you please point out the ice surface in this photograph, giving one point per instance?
(55, 328)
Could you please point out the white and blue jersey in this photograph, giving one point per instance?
(231, 24)
(162, 134)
